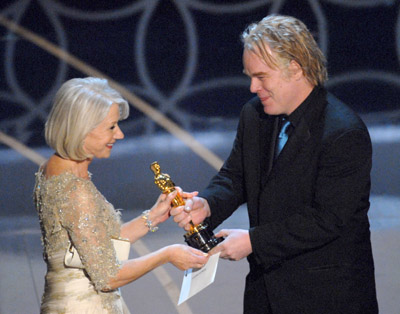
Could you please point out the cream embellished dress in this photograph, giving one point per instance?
(72, 210)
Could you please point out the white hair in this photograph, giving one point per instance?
(79, 106)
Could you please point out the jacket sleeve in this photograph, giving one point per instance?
(226, 191)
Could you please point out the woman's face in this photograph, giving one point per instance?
(99, 142)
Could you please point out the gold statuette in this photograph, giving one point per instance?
(199, 236)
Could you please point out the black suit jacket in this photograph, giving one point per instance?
(309, 228)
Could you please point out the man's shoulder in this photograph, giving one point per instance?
(338, 114)
(339, 118)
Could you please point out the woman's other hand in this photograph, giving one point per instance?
(184, 257)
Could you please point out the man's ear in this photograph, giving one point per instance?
(295, 70)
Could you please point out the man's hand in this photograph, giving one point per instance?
(196, 209)
(236, 245)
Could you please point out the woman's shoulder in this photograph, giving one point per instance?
(58, 174)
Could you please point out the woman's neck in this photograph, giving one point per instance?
(57, 165)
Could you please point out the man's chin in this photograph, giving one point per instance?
(268, 110)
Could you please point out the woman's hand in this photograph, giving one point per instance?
(184, 257)
(160, 210)
(181, 256)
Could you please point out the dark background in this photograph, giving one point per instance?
(184, 57)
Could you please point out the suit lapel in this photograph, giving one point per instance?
(296, 142)
(300, 136)
(268, 134)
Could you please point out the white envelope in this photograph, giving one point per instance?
(195, 280)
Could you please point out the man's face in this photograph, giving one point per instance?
(277, 90)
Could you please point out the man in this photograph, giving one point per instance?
(308, 245)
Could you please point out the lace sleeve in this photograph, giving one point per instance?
(84, 216)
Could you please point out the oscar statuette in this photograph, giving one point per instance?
(199, 236)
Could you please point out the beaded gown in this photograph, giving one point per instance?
(72, 210)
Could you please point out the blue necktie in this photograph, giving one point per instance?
(282, 137)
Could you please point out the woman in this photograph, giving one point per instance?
(82, 125)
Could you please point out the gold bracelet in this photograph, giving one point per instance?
(148, 223)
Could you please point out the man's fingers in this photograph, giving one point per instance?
(188, 205)
(176, 210)
(215, 250)
(222, 233)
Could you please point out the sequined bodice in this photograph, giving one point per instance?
(71, 209)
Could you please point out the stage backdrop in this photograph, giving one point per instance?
(183, 57)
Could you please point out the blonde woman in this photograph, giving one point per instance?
(82, 125)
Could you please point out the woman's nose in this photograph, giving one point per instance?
(119, 135)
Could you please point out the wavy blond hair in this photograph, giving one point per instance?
(79, 106)
(289, 40)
